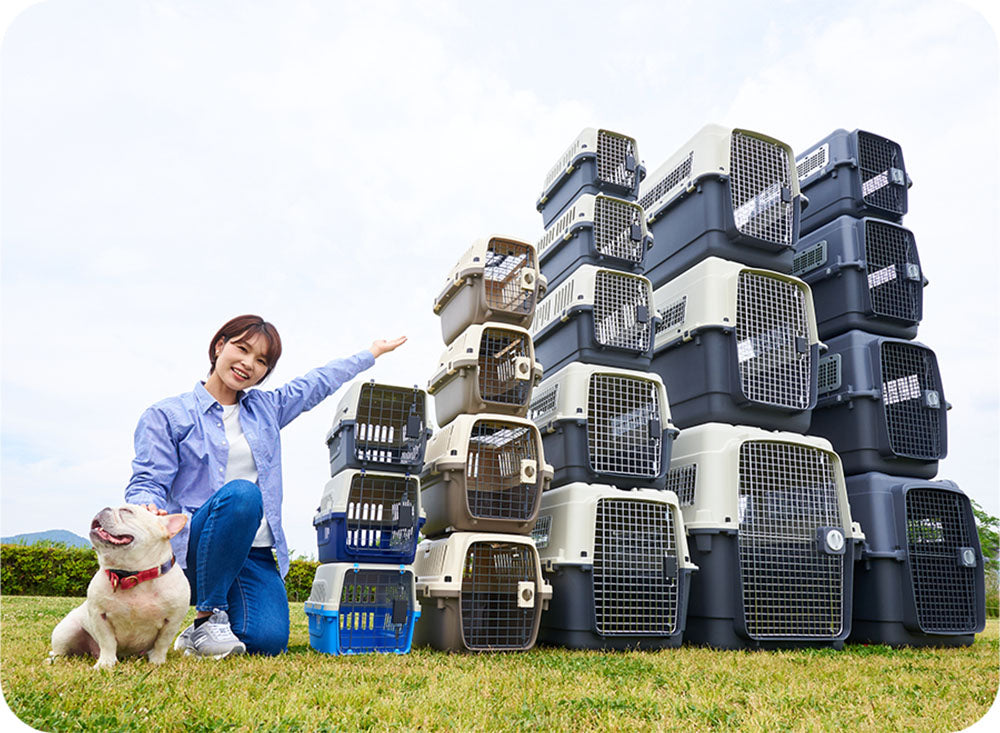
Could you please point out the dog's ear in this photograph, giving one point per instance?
(174, 523)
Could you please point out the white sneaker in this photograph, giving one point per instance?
(214, 638)
(183, 641)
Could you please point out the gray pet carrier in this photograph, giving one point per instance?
(599, 316)
(921, 582)
(726, 193)
(598, 230)
(770, 530)
(857, 173)
(480, 592)
(379, 426)
(489, 367)
(605, 425)
(865, 274)
(618, 565)
(496, 279)
(738, 345)
(484, 473)
(882, 406)
(598, 161)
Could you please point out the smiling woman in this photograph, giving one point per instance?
(214, 455)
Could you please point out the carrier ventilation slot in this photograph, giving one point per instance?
(809, 259)
(557, 231)
(678, 175)
(672, 315)
(681, 481)
(813, 162)
(790, 589)
(540, 533)
(544, 403)
(828, 374)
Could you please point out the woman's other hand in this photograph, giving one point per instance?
(383, 346)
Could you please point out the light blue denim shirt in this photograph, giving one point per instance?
(181, 450)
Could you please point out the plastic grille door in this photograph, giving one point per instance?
(504, 367)
(895, 284)
(911, 396)
(501, 471)
(492, 617)
(760, 179)
(624, 434)
(772, 334)
(622, 311)
(635, 568)
(385, 417)
(381, 513)
(787, 493)
(937, 528)
(617, 229)
(376, 608)
(616, 161)
(503, 274)
(882, 176)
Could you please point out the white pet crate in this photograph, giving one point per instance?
(597, 161)
(618, 564)
(481, 592)
(727, 193)
(605, 425)
(739, 345)
(598, 315)
(355, 608)
(496, 279)
(598, 230)
(489, 367)
(770, 530)
(484, 473)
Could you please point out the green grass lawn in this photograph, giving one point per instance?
(863, 687)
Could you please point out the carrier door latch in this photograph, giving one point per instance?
(636, 232)
(642, 314)
(413, 425)
(896, 177)
(400, 611)
(529, 470)
(522, 368)
(655, 428)
(669, 567)
(405, 516)
(966, 557)
(528, 279)
(786, 195)
(525, 594)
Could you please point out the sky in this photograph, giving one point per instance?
(167, 165)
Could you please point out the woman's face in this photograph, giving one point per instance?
(241, 364)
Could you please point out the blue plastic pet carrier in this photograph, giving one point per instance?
(882, 406)
(598, 161)
(379, 427)
(921, 582)
(598, 230)
(359, 608)
(726, 193)
(605, 425)
(737, 344)
(857, 173)
(368, 516)
(770, 530)
(865, 274)
(618, 565)
(599, 316)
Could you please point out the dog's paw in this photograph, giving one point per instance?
(157, 657)
(51, 658)
(105, 663)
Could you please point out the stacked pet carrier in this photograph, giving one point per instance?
(478, 572)
(737, 346)
(881, 402)
(363, 596)
(611, 540)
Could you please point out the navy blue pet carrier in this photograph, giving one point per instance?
(865, 274)
(921, 579)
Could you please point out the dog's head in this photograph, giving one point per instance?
(131, 537)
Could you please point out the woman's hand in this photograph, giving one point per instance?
(155, 510)
(382, 346)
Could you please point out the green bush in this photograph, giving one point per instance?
(57, 570)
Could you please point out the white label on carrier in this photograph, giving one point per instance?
(874, 184)
(881, 277)
(757, 205)
(899, 390)
(744, 350)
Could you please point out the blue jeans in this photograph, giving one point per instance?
(225, 572)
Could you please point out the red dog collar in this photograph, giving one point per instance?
(130, 579)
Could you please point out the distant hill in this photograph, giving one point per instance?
(52, 535)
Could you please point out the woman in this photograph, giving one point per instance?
(214, 454)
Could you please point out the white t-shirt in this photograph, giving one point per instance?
(241, 465)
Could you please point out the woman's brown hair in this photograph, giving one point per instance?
(242, 328)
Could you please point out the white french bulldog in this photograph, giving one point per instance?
(137, 600)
